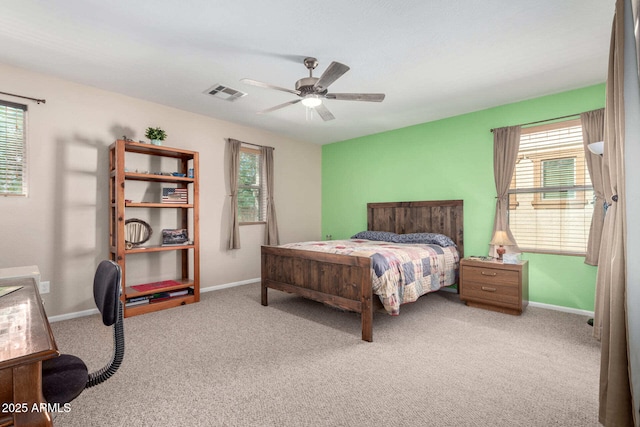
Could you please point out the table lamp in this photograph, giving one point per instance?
(501, 239)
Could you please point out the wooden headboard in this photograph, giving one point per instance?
(434, 216)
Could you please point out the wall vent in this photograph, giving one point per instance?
(224, 92)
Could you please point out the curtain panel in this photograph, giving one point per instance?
(615, 403)
(593, 131)
(234, 169)
(271, 227)
(506, 143)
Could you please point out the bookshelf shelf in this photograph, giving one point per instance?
(158, 205)
(147, 249)
(151, 307)
(188, 255)
(155, 177)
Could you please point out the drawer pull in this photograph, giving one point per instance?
(488, 289)
(489, 274)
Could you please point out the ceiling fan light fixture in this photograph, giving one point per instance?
(311, 101)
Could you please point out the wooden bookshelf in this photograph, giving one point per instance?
(188, 278)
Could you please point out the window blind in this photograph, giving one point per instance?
(13, 156)
(551, 195)
(251, 193)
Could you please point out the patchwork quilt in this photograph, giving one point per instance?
(400, 273)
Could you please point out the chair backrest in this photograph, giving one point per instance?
(106, 290)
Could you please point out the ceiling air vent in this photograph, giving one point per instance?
(224, 92)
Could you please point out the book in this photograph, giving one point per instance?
(481, 258)
(164, 296)
(136, 299)
(155, 285)
(5, 290)
(135, 303)
(178, 293)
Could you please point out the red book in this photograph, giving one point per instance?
(155, 285)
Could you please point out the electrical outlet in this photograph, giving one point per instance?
(44, 287)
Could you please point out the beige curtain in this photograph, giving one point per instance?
(506, 143)
(615, 407)
(234, 170)
(271, 226)
(593, 131)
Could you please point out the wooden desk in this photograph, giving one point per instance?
(25, 341)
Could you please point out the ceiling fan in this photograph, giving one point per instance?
(312, 90)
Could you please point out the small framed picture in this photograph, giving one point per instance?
(178, 236)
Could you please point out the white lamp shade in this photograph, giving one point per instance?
(501, 238)
(597, 147)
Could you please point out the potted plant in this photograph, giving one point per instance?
(156, 135)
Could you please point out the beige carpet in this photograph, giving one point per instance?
(228, 361)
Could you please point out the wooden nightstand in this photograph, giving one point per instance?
(495, 286)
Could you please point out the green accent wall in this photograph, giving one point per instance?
(452, 158)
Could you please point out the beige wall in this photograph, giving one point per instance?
(63, 225)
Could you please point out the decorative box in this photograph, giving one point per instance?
(512, 258)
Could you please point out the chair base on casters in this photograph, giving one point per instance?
(66, 375)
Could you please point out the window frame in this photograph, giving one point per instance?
(24, 187)
(261, 186)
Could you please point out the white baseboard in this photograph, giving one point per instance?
(75, 315)
(95, 310)
(249, 281)
(543, 305)
(561, 308)
(229, 285)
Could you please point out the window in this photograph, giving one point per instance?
(559, 173)
(551, 195)
(13, 158)
(251, 192)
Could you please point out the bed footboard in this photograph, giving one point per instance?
(340, 280)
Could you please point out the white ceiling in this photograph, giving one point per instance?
(432, 58)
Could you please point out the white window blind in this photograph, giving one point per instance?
(251, 192)
(13, 156)
(551, 195)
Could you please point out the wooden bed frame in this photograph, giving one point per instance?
(344, 281)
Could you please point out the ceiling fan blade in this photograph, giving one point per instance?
(268, 86)
(277, 107)
(324, 112)
(371, 97)
(334, 71)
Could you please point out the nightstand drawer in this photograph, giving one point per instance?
(491, 275)
(508, 295)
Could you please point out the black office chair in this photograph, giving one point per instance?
(66, 376)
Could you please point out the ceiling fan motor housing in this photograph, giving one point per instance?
(305, 86)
